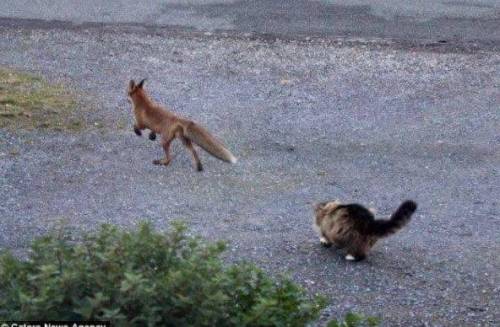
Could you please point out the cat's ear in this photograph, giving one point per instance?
(332, 205)
(320, 205)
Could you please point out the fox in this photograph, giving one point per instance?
(354, 227)
(159, 120)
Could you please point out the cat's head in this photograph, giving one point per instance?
(323, 209)
(327, 206)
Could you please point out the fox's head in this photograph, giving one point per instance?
(135, 91)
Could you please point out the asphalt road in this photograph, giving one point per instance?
(424, 21)
(373, 122)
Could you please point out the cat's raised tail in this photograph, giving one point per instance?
(398, 220)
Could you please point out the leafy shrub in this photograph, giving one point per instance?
(355, 320)
(146, 278)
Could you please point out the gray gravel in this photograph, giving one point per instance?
(471, 21)
(309, 121)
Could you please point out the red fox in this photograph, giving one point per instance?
(152, 116)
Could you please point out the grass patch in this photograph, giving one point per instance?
(28, 102)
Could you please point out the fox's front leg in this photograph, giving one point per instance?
(165, 142)
(138, 128)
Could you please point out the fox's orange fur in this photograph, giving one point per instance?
(152, 116)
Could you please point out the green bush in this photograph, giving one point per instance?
(146, 278)
(355, 320)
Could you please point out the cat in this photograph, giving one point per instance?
(353, 227)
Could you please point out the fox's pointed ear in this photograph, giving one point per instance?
(141, 83)
(131, 85)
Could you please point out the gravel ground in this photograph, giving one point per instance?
(309, 121)
(474, 21)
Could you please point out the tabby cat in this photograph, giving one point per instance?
(353, 227)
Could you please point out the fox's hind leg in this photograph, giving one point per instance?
(187, 142)
(165, 142)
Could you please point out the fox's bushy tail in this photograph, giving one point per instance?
(208, 142)
(397, 221)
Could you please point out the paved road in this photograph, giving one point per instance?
(309, 121)
(426, 20)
